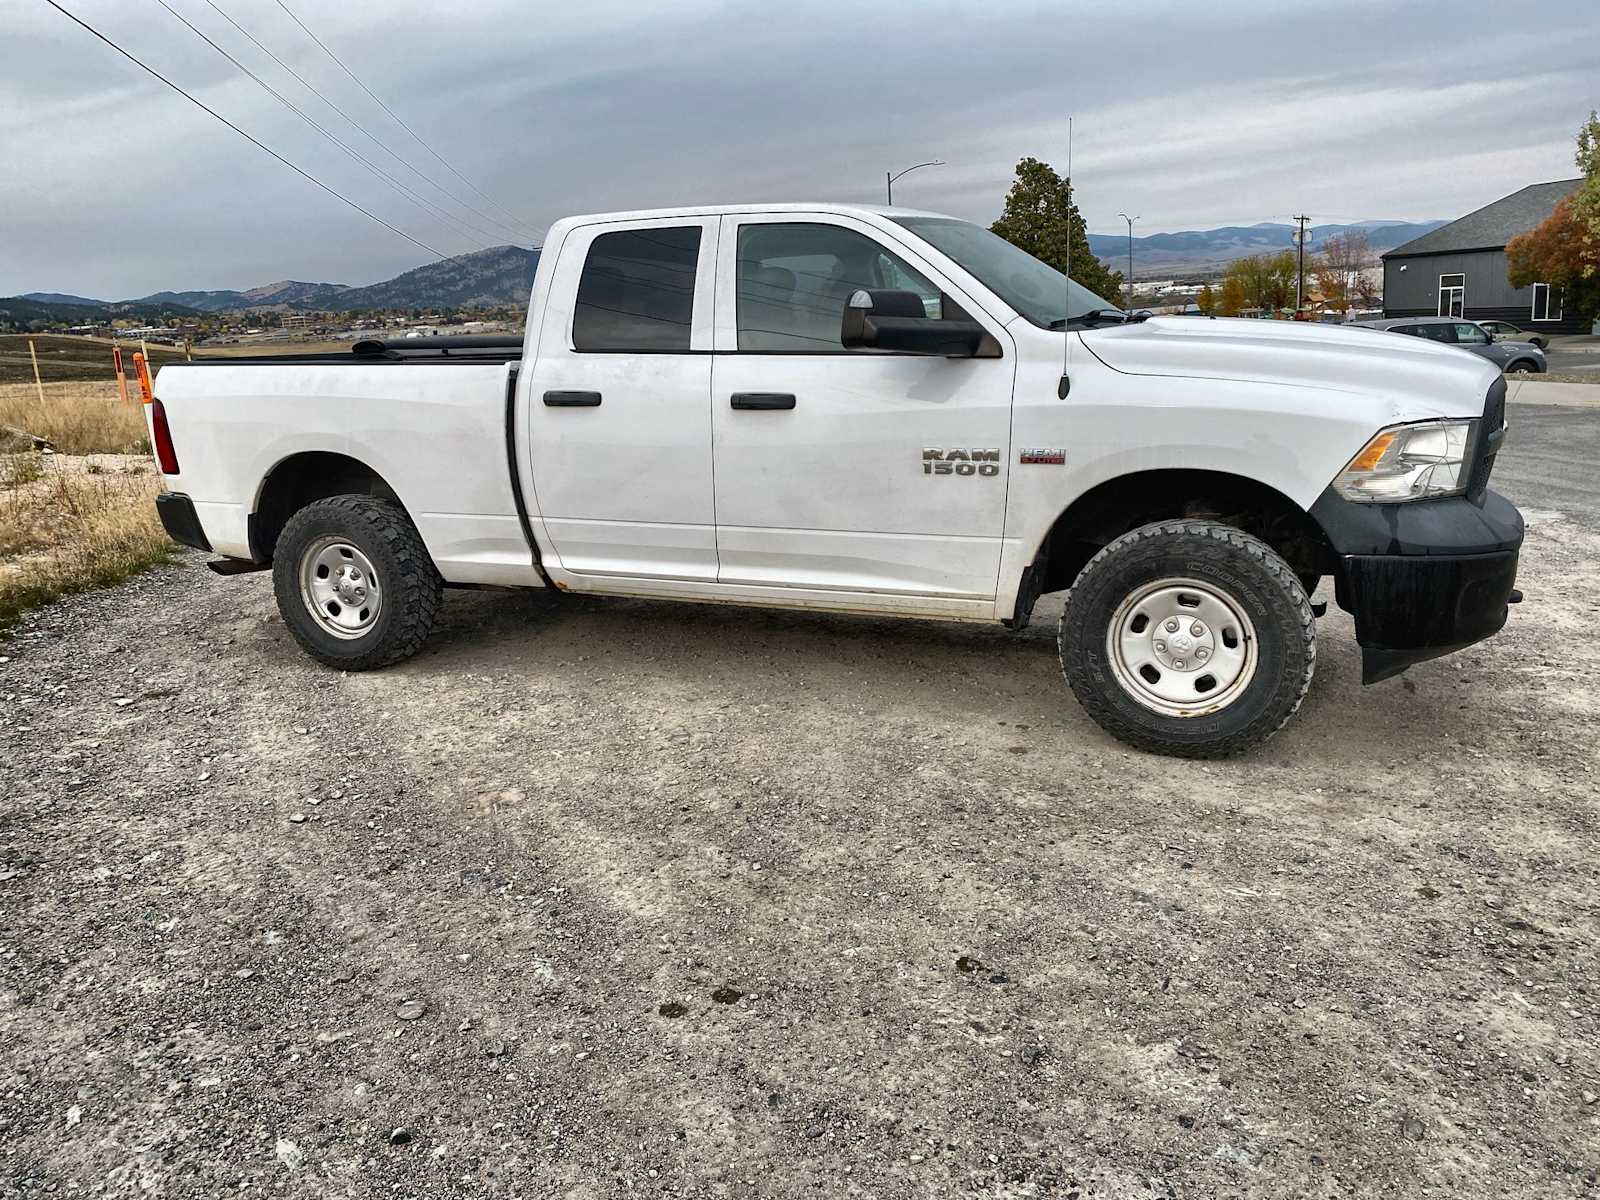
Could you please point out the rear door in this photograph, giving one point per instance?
(620, 421)
(848, 470)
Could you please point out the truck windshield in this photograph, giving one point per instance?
(1036, 290)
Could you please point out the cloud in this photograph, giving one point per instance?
(1189, 115)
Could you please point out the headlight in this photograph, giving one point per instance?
(1410, 462)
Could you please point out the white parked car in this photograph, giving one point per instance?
(879, 411)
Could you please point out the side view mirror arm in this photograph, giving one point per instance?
(897, 323)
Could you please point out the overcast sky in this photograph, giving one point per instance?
(1191, 115)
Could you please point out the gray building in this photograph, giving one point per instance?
(1459, 269)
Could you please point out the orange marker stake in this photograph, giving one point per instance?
(143, 371)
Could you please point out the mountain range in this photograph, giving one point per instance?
(502, 275)
(1205, 250)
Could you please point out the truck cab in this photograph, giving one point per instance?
(879, 411)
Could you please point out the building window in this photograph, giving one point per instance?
(1452, 295)
(1546, 303)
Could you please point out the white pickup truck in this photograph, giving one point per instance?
(871, 410)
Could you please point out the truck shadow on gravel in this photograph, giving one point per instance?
(979, 671)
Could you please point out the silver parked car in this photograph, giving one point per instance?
(1505, 331)
(1514, 358)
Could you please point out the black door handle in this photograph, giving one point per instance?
(763, 401)
(572, 399)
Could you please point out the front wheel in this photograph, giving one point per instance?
(1189, 638)
(1521, 367)
(354, 582)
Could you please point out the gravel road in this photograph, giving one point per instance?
(613, 898)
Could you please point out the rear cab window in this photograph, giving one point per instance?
(637, 290)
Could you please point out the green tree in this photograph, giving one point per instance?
(1231, 302)
(1037, 219)
(1586, 200)
(1264, 281)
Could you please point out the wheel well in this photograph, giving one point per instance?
(1109, 510)
(303, 479)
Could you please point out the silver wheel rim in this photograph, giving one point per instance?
(340, 588)
(1182, 648)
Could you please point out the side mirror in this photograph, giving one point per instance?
(883, 319)
(1491, 335)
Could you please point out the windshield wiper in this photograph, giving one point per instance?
(1095, 316)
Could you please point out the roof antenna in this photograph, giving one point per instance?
(1065, 385)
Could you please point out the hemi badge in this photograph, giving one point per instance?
(1053, 458)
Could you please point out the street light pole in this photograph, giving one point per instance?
(1130, 221)
(888, 178)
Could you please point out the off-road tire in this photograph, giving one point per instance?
(1244, 567)
(413, 590)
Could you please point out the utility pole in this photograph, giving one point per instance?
(1300, 283)
(1130, 221)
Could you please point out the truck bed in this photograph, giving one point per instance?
(439, 443)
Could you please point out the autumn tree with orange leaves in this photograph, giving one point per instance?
(1564, 250)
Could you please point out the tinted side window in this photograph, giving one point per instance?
(637, 290)
(1434, 333)
(793, 281)
(1470, 335)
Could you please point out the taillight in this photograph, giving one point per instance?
(166, 456)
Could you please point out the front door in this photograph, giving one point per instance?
(845, 470)
(1452, 295)
(620, 399)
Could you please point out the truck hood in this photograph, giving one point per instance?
(1419, 379)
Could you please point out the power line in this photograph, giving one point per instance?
(465, 227)
(359, 128)
(200, 104)
(415, 135)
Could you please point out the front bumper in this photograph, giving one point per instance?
(180, 520)
(1421, 579)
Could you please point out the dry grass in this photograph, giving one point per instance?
(67, 525)
(76, 417)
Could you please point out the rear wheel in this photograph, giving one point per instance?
(1189, 638)
(354, 582)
